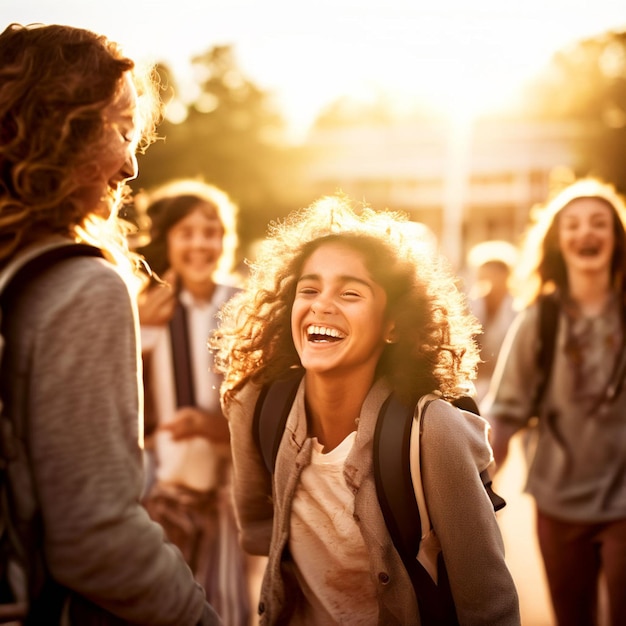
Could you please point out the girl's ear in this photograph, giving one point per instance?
(389, 332)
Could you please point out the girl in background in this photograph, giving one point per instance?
(193, 243)
(574, 254)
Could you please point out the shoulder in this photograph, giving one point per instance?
(528, 319)
(530, 324)
(242, 406)
(77, 286)
(88, 274)
(455, 433)
(225, 292)
(81, 271)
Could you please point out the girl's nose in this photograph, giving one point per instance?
(322, 304)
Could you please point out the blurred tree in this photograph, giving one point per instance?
(228, 133)
(586, 83)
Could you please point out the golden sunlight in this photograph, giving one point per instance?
(464, 58)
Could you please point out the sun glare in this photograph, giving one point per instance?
(464, 59)
(459, 61)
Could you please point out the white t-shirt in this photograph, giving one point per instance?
(191, 463)
(326, 544)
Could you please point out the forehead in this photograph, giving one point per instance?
(337, 256)
(586, 206)
(203, 214)
(124, 105)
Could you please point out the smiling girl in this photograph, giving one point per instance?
(193, 242)
(576, 251)
(352, 300)
(73, 111)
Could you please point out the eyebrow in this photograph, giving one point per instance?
(593, 215)
(345, 278)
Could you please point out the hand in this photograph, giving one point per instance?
(156, 303)
(193, 422)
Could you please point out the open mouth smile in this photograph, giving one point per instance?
(324, 334)
(588, 251)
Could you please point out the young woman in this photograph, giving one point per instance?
(73, 110)
(193, 243)
(574, 254)
(351, 299)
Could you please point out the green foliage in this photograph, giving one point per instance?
(586, 84)
(231, 136)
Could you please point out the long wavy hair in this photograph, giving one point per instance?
(434, 348)
(57, 82)
(541, 268)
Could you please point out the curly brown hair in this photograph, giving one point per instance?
(434, 332)
(541, 267)
(57, 82)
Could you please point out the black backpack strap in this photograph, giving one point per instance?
(39, 261)
(466, 403)
(181, 357)
(547, 331)
(270, 415)
(616, 383)
(397, 499)
(392, 475)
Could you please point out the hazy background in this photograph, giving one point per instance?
(309, 53)
(464, 115)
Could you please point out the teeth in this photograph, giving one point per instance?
(323, 330)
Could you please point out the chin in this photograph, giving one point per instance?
(206, 280)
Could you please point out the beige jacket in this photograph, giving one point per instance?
(453, 449)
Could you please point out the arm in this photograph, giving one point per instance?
(84, 427)
(508, 404)
(194, 422)
(252, 484)
(454, 450)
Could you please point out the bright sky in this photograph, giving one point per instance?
(307, 54)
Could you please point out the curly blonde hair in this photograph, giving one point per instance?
(541, 267)
(435, 348)
(57, 82)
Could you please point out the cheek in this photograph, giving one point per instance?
(114, 153)
(296, 319)
(217, 243)
(563, 240)
(175, 248)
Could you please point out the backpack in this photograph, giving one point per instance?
(548, 323)
(20, 573)
(547, 332)
(406, 518)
